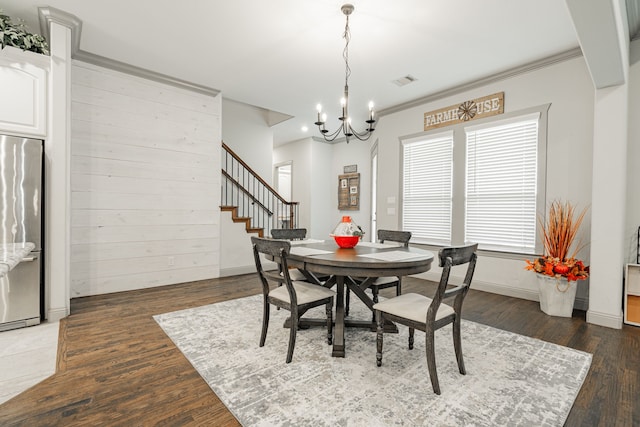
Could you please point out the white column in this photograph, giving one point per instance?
(610, 150)
(608, 206)
(57, 178)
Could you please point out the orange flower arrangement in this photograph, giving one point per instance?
(558, 235)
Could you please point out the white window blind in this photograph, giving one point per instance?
(501, 186)
(427, 171)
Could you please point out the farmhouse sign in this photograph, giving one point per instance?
(486, 106)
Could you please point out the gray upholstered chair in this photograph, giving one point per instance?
(390, 282)
(385, 282)
(291, 234)
(295, 296)
(427, 314)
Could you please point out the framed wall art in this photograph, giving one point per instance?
(349, 192)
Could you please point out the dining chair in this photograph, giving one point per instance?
(295, 296)
(291, 234)
(385, 282)
(429, 314)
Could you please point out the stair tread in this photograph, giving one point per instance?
(246, 220)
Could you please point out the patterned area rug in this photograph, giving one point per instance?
(511, 379)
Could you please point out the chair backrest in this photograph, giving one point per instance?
(279, 249)
(395, 236)
(289, 233)
(449, 257)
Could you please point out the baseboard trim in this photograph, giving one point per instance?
(508, 291)
(237, 271)
(604, 319)
(246, 269)
(500, 289)
(57, 314)
(493, 288)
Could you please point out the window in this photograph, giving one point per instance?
(501, 186)
(427, 166)
(479, 183)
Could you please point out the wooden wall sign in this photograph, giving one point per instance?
(350, 169)
(349, 192)
(486, 106)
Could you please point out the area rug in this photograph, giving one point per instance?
(512, 380)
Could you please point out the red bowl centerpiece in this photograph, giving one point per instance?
(346, 242)
(347, 234)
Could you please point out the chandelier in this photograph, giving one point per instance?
(345, 127)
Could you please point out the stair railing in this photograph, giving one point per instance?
(254, 198)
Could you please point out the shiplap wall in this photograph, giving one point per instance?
(145, 183)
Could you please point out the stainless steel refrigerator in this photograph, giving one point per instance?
(21, 219)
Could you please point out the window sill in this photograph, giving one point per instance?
(484, 252)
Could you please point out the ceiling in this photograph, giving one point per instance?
(286, 55)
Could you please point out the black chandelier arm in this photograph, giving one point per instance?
(330, 137)
(362, 136)
(348, 133)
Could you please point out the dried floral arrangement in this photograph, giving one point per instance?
(558, 235)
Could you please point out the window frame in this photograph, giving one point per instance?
(459, 172)
(441, 135)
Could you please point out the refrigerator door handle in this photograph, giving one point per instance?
(29, 258)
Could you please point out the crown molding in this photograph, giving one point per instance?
(123, 67)
(532, 66)
(47, 15)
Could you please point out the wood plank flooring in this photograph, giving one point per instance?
(117, 367)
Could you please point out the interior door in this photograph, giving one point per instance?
(374, 192)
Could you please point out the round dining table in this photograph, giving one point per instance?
(366, 261)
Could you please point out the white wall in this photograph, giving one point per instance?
(237, 256)
(633, 159)
(246, 131)
(315, 169)
(568, 88)
(299, 154)
(565, 85)
(354, 153)
(323, 190)
(145, 183)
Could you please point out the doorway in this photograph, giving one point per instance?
(374, 192)
(283, 180)
(284, 186)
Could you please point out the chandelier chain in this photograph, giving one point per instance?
(345, 52)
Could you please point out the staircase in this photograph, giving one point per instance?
(251, 200)
(246, 220)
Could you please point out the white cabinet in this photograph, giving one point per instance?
(23, 90)
(632, 295)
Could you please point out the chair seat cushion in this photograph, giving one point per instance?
(305, 292)
(296, 274)
(383, 282)
(412, 306)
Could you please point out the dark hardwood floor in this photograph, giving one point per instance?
(117, 367)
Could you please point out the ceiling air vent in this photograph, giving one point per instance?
(403, 81)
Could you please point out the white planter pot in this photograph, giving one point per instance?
(556, 295)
